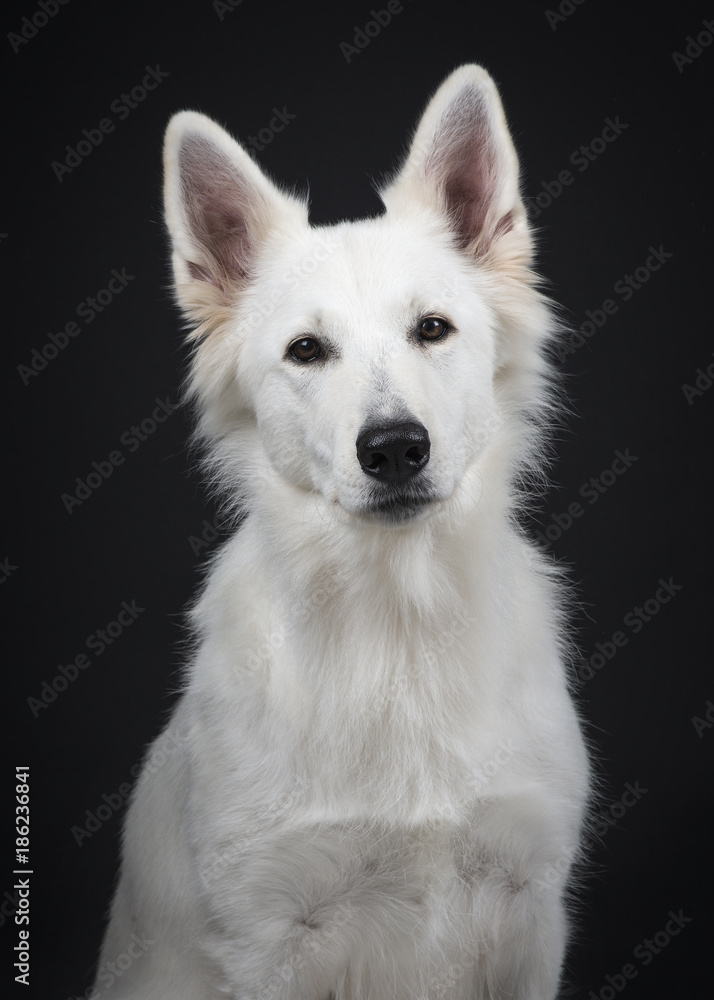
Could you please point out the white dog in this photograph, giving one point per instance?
(374, 784)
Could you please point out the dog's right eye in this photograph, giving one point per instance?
(433, 328)
(305, 349)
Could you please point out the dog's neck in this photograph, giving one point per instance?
(373, 643)
(381, 626)
(418, 582)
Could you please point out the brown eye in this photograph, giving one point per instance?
(433, 328)
(305, 349)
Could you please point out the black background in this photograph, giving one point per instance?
(67, 574)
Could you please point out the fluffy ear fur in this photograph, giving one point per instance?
(220, 209)
(462, 163)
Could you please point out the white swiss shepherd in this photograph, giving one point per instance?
(374, 784)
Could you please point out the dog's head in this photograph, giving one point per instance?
(375, 365)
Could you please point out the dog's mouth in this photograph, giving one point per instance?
(397, 505)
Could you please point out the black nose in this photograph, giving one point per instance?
(394, 453)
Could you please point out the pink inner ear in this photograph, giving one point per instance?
(217, 204)
(464, 162)
(199, 273)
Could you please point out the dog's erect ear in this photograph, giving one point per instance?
(220, 208)
(462, 162)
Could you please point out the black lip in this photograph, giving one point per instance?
(399, 506)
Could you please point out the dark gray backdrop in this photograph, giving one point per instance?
(610, 105)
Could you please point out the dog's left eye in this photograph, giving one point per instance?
(433, 328)
(305, 349)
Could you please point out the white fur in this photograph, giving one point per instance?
(373, 785)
